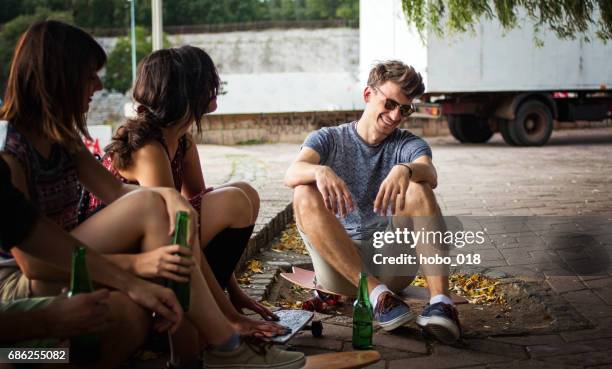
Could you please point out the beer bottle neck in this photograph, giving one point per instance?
(182, 229)
(363, 294)
(79, 281)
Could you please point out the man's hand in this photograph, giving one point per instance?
(84, 313)
(335, 193)
(396, 183)
(163, 263)
(158, 299)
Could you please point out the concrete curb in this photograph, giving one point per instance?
(265, 233)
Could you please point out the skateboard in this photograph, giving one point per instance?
(342, 360)
(297, 320)
(305, 279)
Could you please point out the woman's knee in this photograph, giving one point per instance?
(236, 205)
(150, 204)
(252, 194)
(249, 190)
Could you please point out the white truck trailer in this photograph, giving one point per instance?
(493, 80)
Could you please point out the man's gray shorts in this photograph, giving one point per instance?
(330, 279)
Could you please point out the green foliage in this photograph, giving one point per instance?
(12, 31)
(118, 75)
(17, 15)
(93, 14)
(566, 18)
(101, 13)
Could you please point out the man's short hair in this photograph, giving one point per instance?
(409, 80)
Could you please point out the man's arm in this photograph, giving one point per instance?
(305, 170)
(423, 170)
(395, 186)
(61, 318)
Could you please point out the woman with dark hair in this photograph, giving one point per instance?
(174, 89)
(52, 79)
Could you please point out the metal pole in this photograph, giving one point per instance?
(157, 24)
(133, 36)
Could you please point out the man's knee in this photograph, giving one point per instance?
(307, 200)
(420, 200)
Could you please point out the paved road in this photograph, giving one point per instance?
(571, 176)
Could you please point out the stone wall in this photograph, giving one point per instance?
(234, 129)
(292, 127)
(107, 108)
(325, 50)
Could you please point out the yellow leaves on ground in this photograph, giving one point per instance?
(476, 288)
(288, 304)
(284, 303)
(252, 266)
(244, 279)
(290, 240)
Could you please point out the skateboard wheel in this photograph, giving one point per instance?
(317, 328)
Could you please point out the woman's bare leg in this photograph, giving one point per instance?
(138, 222)
(251, 194)
(231, 207)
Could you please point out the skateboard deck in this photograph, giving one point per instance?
(305, 279)
(294, 320)
(342, 360)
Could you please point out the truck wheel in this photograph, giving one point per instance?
(533, 124)
(454, 122)
(469, 128)
(504, 129)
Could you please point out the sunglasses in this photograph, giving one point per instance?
(390, 104)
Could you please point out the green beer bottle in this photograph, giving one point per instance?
(362, 316)
(86, 347)
(181, 290)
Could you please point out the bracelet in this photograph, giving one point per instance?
(409, 169)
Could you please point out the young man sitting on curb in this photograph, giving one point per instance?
(347, 178)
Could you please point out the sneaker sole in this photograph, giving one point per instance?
(290, 365)
(397, 322)
(443, 329)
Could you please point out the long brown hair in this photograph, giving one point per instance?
(52, 63)
(173, 86)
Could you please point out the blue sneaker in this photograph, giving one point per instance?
(392, 312)
(441, 321)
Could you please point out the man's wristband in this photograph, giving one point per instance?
(409, 169)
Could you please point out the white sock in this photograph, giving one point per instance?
(441, 298)
(376, 293)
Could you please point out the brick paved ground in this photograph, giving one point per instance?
(570, 176)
